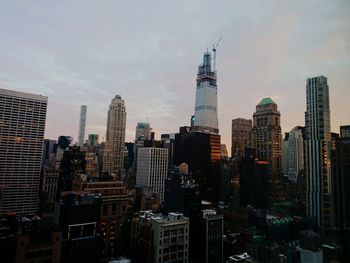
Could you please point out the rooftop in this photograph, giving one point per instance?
(160, 218)
(24, 95)
(266, 101)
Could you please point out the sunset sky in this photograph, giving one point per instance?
(85, 52)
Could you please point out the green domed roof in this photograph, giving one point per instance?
(265, 101)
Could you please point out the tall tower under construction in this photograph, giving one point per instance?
(206, 115)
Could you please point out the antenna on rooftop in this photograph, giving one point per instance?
(214, 51)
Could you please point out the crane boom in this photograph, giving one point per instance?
(214, 51)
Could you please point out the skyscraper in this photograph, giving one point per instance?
(318, 148)
(201, 151)
(115, 136)
(152, 169)
(82, 124)
(22, 126)
(267, 137)
(206, 115)
(143, 129)
(241, 136)
(293, 154)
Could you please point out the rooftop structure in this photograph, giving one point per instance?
(266, 101)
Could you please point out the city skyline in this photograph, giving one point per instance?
(267, 50)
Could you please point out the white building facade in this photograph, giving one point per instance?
(293, 154)
(152, 169)
(82, 124)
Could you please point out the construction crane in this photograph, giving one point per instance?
(214, 51)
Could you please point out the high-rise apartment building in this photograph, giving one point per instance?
(267, 137)
(143, 130)
(115, 136)
(318, 150)
(152, 169)
(241, 136)
(293, 154)
(82, 124)
(206, 115)
(22, 126)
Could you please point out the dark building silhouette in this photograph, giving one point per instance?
(229, 181)
(50, 148)
(255, 183)
(28, 239)
(267, 136)
(211, 238)
(129, 158)
(201, 151)
(168, 142)
(182, 194)
(77, 215)
(310, 247)
(341, 177)
(73, 165)
(264, 251)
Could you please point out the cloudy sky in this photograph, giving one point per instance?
(85, 52)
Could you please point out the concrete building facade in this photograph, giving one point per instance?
(293, 154)
(22, 127)
(115, 136)
(157, 238)
(152, 169)
(267, 136)
(241, 136)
